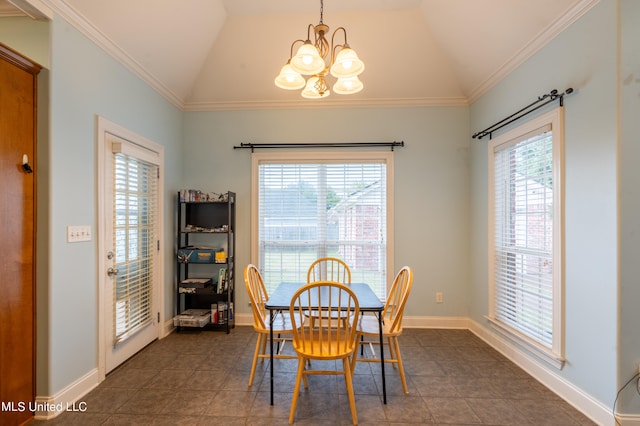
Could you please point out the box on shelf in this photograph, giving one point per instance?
(221, 256)
(192, 318)
(197, 255)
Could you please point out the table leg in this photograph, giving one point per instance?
(384, 383)
(271, 353)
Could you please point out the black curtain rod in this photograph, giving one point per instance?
(253, 146)
(549, 97)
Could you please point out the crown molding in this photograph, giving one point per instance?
(12, 14)
(80, 23)
(542, 39)
(326, 103)
(34, 9)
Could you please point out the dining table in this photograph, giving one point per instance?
(280, 300)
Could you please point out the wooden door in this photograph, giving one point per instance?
(17, 236)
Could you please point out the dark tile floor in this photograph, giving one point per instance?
(200, 378)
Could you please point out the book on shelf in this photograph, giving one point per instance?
(222, 280)
(195, 282)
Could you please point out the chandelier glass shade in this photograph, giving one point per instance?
(289, 79)
(317, 59)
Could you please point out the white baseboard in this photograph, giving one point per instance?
(628, 419)
(168, 328)
(435, 322)
(68, 399)
(581, 401)
(243, 319)
(407, 322)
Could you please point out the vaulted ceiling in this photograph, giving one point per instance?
(225, 54)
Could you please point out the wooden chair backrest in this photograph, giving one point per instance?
(326, 337)
(257, 296)
(329, 269)
(397, 299)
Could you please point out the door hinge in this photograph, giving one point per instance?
(158, 245)
(158, 317)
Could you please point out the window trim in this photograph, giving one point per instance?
(554, 355)
(312, 156)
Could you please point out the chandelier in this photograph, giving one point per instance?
(311, 58)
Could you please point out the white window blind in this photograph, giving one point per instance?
(308, 210)
(526, 217)
(135, 216)
(524, 236)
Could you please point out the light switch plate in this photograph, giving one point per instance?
(78, 233)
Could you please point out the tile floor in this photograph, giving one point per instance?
(200, 378)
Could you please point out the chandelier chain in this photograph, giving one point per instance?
(321, 10)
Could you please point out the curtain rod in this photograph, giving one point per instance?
(253, 146)
(550, 97)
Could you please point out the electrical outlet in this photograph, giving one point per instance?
(439, 297)
(78, 233)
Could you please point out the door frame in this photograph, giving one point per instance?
(104, 126)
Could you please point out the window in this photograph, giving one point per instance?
(310, 205)
(526, 234)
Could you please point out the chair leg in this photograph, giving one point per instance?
(296, 389)
(263, 346)
(256, 354)
(354, 355)
(304, 375)
(347, 378)
(400, 366)
(392, 349)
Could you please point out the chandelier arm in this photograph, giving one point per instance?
(309, 32)
(344, 31)
(293, 44)
(334, 47)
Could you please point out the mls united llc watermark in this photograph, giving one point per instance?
(42, 406)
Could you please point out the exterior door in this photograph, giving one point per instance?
(17, 233)
(131, 260)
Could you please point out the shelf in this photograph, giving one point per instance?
(203, 202)
(205, 232)
(204, 229)
(206, 291)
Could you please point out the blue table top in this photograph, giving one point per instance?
(280, 299)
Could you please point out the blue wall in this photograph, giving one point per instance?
(86, 82)
(431, 182)
(629, 203)
(582, 57)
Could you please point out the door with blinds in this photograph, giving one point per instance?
(131, 250)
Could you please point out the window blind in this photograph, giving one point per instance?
(523, 233)
(135, 216)
(308, 210)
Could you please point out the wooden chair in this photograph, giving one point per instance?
(328, 269)
(325, 341)
(392, 324)
(261, 318)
